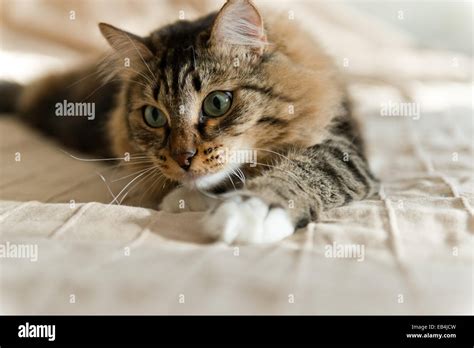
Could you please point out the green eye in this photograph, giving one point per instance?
(217, 103)
(153, 117)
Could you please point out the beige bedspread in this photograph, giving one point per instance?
(96, 257)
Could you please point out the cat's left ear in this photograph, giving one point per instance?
(239, 23)
(125, 42)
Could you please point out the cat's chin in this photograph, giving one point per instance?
(206, 182)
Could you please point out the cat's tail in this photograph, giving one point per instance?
(10, 93)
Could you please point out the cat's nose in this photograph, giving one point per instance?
(184, 158)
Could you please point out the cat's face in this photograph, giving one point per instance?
(199, 98)
(200, 121)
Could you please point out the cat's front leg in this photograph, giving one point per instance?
(292, 193)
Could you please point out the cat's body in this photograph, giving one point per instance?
(193, 94)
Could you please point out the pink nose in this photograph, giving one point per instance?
(184, 158)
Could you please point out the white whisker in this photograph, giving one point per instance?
(132, 181)
(131, 188)
(96, 159)
(107, 185)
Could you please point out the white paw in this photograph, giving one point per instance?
(183, 199)
(244, 220)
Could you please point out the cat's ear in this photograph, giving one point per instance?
(239, 23)
(125, 42)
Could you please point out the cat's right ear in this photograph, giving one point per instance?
(239, 23)
(125, 42)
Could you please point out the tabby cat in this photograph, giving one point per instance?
(193, 95)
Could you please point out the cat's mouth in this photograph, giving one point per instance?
(213, 166)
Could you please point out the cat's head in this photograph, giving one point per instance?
(201, 97)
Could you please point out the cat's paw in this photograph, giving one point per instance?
(183, 199)
(248, 220)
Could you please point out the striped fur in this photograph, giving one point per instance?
(327, 175)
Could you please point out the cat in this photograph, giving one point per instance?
(243, 112)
